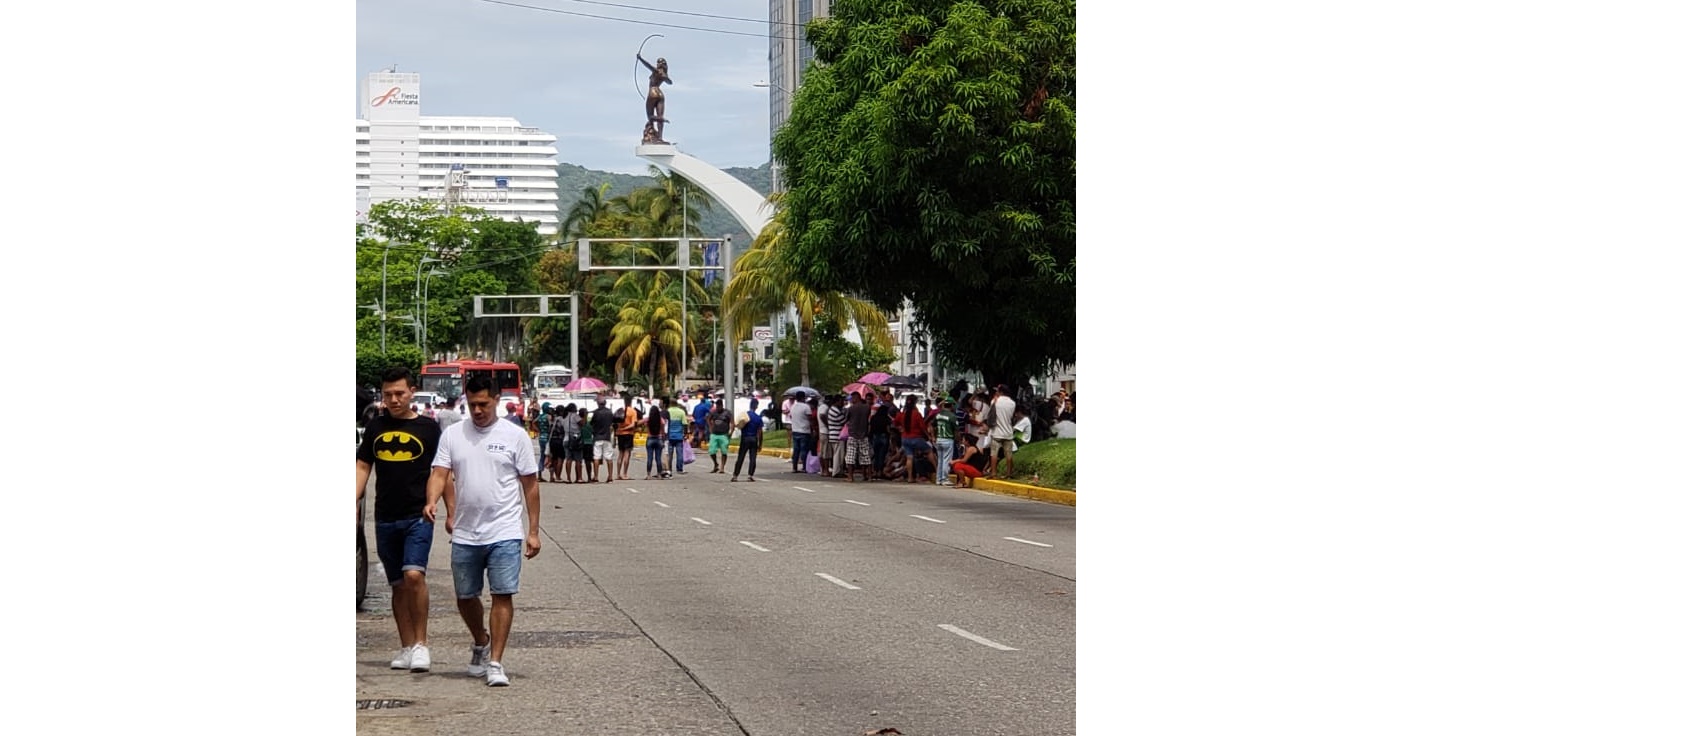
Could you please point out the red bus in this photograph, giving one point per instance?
(448, 379)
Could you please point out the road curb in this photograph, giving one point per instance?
(1035, 493)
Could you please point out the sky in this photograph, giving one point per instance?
(577, 77)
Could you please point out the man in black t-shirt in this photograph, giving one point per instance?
(399, 446)
(601, 423)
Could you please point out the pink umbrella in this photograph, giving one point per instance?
(864, 389)
(585, 384)
(874, 378)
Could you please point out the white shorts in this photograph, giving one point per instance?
(604, 450)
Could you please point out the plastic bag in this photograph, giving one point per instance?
(688, 454)
(813, 464)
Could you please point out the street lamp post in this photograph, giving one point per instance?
(383, 306)
(416, 276)
(424, 331)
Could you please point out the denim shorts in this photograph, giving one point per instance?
(914, 446)
(404, 545)
(499, 560)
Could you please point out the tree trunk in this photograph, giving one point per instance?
(805, 345)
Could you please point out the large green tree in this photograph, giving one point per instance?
(931, 156)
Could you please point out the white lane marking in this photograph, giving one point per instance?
(1026, 541)
(697, 518)
(656, 503)
(976, 638)
(927, 518)
(809, 490)
(852, 501)
(750, 544)
(632, 490)
(838, 581)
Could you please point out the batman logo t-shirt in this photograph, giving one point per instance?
(400, 452)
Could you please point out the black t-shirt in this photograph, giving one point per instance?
(859, 417)
(601, 423)
(880, 419)
(718, 422)
(400, 452)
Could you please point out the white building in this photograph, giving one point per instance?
(493, 163)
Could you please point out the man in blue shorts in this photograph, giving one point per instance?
(399, 446)
(494, 492)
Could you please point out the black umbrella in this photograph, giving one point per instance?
(903, 382)
(809, 390)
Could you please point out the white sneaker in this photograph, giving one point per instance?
(420, 658)
(497, 675)
(403, 660)
(479, 661)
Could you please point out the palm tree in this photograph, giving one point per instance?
(763, 285)
(591, 205)
(648, 337)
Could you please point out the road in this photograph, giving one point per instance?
(795, 605)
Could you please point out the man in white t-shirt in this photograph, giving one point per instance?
(493, 469)
(1000, 431)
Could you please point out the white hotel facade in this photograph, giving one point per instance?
(493, 163)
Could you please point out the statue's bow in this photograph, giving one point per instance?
(636, 71)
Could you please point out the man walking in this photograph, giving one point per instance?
(399, 446)
(677, 420)
(626, 436)
(494, 493)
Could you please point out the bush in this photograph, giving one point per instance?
(1055, 461)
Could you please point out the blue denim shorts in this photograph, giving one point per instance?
(500, 561)
(404, 545)
(914, 446)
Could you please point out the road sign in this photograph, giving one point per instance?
(762, 335)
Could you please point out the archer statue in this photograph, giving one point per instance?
(652, 132)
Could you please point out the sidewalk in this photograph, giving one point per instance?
(577, 664)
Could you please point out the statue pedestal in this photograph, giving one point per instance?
(745, 204)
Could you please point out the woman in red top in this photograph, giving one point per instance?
(911, 424)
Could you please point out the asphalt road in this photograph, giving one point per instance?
(795, 605)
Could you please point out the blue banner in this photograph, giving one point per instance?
(711, 260)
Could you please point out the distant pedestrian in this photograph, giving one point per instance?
(625, 433)
(800, 432)
(677, 423)
(718, 429)
(752, 426)
(1000, 422)
(656, 444)
(857, 453)
(602, 421)
(399, 447)
(494, 493)
(943, 430)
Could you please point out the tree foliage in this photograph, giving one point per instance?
(931, 156)
(832, 361)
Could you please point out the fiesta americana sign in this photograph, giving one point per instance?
(395, 97)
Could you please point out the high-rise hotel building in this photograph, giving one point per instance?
(493, 163)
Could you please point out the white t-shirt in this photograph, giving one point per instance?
(1001, 426)
(486, 465)
(801, 418)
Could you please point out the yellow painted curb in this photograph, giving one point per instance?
(1035, 493)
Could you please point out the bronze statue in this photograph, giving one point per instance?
(657, 75)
